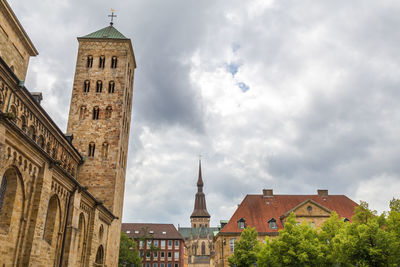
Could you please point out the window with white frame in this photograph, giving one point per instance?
(176, 243)
(162, 243)
(232, 244)
(176, 255)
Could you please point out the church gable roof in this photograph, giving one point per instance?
(106, 33)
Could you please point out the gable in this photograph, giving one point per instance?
(309, 208)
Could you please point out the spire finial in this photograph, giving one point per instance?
(112, 16)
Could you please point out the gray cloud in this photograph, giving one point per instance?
(321, 111)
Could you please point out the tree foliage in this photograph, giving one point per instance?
(128, 252)
(246, 249)
(369, 240)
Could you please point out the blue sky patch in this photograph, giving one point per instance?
(244, 87)
(232, 68)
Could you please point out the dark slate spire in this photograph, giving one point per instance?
(200, 209)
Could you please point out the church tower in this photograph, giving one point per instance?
(200, 216)
(99, 119)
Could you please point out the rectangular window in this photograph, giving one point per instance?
(176, 255)
(169, 243)
(169, 264)
(155, 254)
(162, 265)
(148, 254)
(141, 253)
(162, 254)
(141, 244)
(162, 243)
(176, 264)
(155, 265)
(169, 255)
(147, 264)
(232, 244)
(155, 243)
(148, 243)
(176, 243)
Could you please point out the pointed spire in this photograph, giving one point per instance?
(200, 178)
(200, 209)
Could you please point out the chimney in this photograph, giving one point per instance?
(37, 96)
(322, 192)
(268, 193)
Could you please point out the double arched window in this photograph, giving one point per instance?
(86, 86)
(89, 63)
(102, 62)
(108, 112)
(96, 112)
(99, 86)
(92, 148)
(114, 61)
(111, 86)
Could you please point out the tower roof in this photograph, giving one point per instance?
(109, 32)
(200, 209)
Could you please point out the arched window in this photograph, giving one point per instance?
(23, 123)
(13, 111)
(194, 250)
(81, 239)
(32, 132)
(114, 62)
(203, 248)
(105, 150)
(86, 86)
(100, 255)
(3, 188)
(108, 112)
(111, 86)
(101, 232)
(99, 86)
(96, 112)
(102, 61)
(89, 61)
(41, 142)
(51, 225)
(92, 148)
(82, 112)
(11, 201)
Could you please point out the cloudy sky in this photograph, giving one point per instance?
(286, 94)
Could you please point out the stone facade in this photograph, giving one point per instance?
(99, 119)
(55, 210)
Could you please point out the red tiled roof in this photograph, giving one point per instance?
(159, 231)
(255, 210)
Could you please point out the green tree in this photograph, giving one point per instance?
(368, 241)
(329, 229)
(296, 245)
(128, 252)
(246, 249)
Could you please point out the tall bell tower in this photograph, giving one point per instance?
(200, 216)
(99, 119)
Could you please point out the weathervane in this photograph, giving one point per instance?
(112, 16)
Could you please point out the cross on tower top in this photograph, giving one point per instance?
(112, 16)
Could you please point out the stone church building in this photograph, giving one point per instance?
(199, 237)
(61, 194)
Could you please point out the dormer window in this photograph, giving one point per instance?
(346, 220)
(89, 63)
(102, 61)
(114, 61)
(272, 224)
(242, 223)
